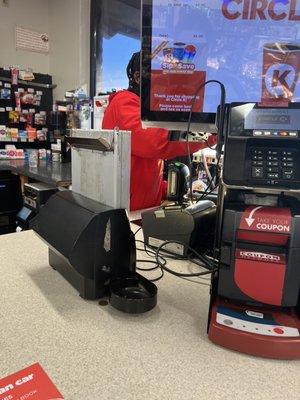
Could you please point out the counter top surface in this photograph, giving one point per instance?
(93, 352)
(55, 173)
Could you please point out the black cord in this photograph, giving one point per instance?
(193, 260)
(148, 262)
(221, 123)
(160, 262)
(159, 278)
(137, 231)
(202, 257)
(151, 269)
(215, 176)
(207, 265)
(150, 251)
(208, 191)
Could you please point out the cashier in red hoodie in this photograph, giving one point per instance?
(149, 147)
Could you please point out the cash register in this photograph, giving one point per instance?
(35, 196)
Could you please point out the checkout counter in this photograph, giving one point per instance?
(96, 352)
(55, 173)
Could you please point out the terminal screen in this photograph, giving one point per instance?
(252, 47)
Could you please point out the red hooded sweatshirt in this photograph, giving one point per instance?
(149, 147)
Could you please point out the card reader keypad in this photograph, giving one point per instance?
(273, 164)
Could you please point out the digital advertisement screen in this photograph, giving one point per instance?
(251, 46)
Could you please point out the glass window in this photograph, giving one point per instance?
(119, 37)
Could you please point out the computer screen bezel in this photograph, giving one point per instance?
(204, 121)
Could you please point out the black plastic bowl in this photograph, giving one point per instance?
(134, 294)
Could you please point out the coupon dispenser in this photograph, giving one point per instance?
(92, 246)
(260, 256)
(255, 306)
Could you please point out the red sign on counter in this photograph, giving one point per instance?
(31, 383)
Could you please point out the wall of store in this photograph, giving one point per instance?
(68, 24)
(70, 41)
(32, 14)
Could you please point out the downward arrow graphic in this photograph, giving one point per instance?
(250, 219)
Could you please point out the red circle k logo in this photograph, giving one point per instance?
(279, 80)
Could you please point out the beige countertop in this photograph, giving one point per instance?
(95, 353)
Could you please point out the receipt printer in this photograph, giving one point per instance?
(92, 246)
(192, 226)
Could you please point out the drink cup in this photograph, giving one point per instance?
(178, 51)
(33, 158)
(281, 68)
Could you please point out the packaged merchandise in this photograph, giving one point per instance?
(42, 154)
(27, 98)
(31, 134)
(14, 133)
(13, 117)
(5, 94)
(37, 100)
(8, 135)
(23, 116)
(56, 152)
(18, 100)
(56, 156)
(2, 132)
(20, 154)
(29, 119)
(33, 158)
(14, 75)
(40, 119)
(23, 135)
(26, 75)
(42, 134)
(48, 156)
(3, 154)
(12, 153)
